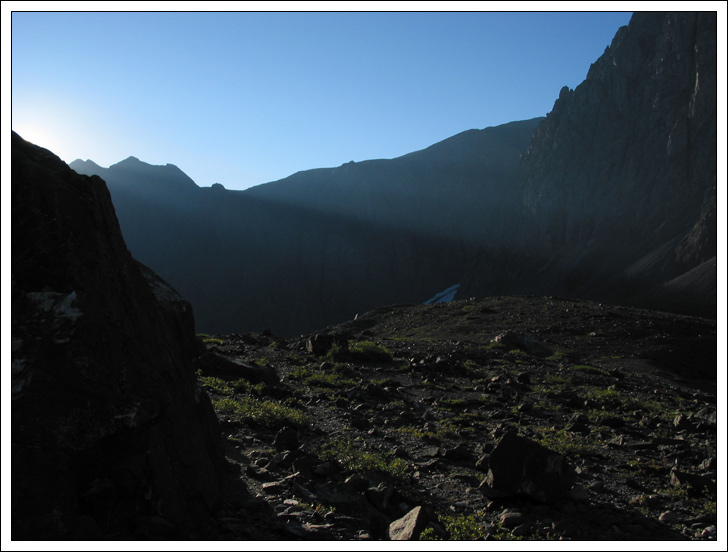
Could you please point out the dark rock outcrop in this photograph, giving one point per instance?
(518, 466)
(111, 436)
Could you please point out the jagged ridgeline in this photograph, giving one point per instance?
(612, 196)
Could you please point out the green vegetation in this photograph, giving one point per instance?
(459, 527)
(353, 456)
(599, 394)
(264, 412)
(361, 351)
(223, 387)
(452, 404)
(208, 339)
(558, 356)
(413, 431)
(215, 384)
(556, 380)
(564, 442)
(331, 381)
(590, 370)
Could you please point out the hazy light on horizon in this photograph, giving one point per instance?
(246, 98)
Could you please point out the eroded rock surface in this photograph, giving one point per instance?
(112, 438)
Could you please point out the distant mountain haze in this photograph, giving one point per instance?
(324, 244)
(612, 196)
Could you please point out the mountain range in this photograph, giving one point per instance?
(611, 196)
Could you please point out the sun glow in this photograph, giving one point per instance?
(43, 137)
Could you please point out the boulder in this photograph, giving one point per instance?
(411, 525)
(212, 364)
(109, 427)
(518, 466)
(516, 340)
(320, 344)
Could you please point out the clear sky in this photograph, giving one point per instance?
(246, 98)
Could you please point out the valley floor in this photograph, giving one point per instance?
(338, 437)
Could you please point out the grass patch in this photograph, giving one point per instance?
(329, 381)
(209, 339)
(558, 356)
(353, 456)
(590, 370)
(459, 527)
(564, 442)
(361, 351)
(223, 387)
(413, 432)
(267, 413)
(452, 404)
(217, 385)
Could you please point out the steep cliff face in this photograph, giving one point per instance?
(111, 436)
(620, 179)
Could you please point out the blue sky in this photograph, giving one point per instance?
(247, 98)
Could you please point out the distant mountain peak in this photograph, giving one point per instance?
(86, 167)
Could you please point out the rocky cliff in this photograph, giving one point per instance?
(620, 178)
(111, 437)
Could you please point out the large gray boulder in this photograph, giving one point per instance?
(111, 436)
(410, 526)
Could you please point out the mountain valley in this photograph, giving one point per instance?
(610, 197)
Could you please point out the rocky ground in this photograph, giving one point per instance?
(394, 425)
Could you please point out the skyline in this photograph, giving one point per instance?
(247, 98)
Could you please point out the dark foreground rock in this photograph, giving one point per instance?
(111, 436)
(518, 466)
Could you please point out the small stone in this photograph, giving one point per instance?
(325, 469)
(401, 452)
(379, 496)
(357, 482)
(522, 530)
(274, 487)
(682, 422)
(260, 474)
(669, 516)
(286, 439)
(511, 519)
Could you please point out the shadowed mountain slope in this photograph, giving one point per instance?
(325, 244)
